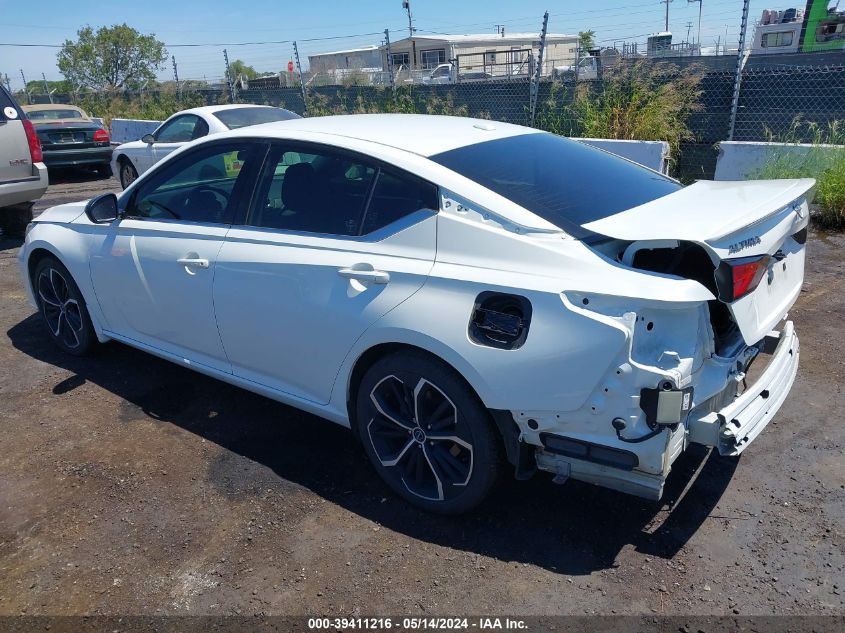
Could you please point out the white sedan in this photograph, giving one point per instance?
(132, 159)
(463, 294)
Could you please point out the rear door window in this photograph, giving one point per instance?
(396, 196)
(312, 191)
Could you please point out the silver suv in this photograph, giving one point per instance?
(23, 175)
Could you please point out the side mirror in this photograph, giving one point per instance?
(149, 139)
(102, 209)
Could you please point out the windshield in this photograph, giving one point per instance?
(243, 117)
(565, 182)
(64, 113)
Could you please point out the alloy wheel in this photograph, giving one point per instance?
(415, 433)
(61, 311)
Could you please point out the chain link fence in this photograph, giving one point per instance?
(792, 98)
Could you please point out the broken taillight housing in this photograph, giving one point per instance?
(735, 278)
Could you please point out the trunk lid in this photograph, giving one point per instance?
(68, 134)
(732, 221)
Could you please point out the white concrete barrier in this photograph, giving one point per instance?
(652, 154)
(741, 160)
(125, 130)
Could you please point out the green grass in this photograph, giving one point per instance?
(824, 161)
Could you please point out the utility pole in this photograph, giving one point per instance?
(301, 80)
(389, 59)
(535, 84)
(25, 89)
(46, 88)
(689, 28)
(740, 63)
(8, 83)
(700, 4)
(666, 2)
(176, 79)
(229, 79)
(406, 4)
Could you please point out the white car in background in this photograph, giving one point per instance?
(461, 293)
(132, 159)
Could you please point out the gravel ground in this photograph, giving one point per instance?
(129, 485)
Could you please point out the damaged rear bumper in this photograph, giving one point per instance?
(732, 428)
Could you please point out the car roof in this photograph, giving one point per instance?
(219, 108)
(422, 134)
(38, 107)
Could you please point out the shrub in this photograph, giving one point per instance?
(403, 99)
(824, 161)
(634, 100)
(155, 107)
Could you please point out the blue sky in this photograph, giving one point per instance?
(352, 22)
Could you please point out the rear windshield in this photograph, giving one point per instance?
(242, 117)
(41, 115)
(565, 182)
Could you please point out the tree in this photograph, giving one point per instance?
(240, 69)
(114, 57)
(586, 40)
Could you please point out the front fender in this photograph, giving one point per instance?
(73, 254)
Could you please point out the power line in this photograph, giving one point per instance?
(195, 45)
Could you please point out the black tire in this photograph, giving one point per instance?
(128, 173)
(13, 220)
(104, 171)
(439, 475)
(62, 307)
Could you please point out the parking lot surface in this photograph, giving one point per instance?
(129, 485)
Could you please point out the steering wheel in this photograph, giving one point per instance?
(217, 191)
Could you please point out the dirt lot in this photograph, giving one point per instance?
(132, 486)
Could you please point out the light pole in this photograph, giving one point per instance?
(700, 3)
(406, 4)
(666, 2)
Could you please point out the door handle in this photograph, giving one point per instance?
(194, 262)
(371, 276)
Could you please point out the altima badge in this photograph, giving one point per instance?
(743, 244)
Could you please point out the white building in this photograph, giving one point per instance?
(491, 53)
(778, 32)
(366, 57)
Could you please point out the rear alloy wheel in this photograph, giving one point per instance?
(63, 308)
(426, 433)
(128, 173)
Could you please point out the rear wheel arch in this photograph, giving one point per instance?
(372, 355)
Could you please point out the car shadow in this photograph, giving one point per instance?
(573, 529)
(71, 175)
(9, 242)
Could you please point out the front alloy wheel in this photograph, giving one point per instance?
(63, 308)
(426, 433)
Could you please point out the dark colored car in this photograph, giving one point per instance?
(70, 138)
